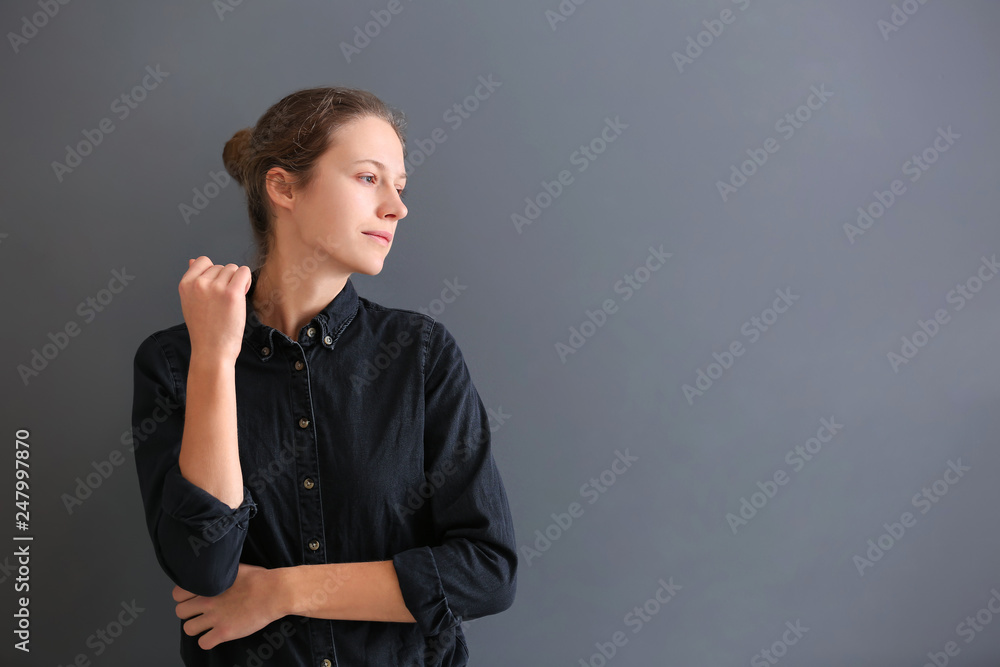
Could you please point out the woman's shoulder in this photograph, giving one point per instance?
(392, 322)
(171, 341)
(160, 358)
(401, 318)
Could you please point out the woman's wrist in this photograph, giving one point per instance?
(283, 591)
(316, 591)
(211, 362)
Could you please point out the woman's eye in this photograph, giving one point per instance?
(401, 192)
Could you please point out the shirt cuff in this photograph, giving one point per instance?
(423, 593)
(197, 508)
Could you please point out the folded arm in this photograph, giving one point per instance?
(187, 461)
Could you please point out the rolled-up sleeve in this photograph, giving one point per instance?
(196, 537)
(471, 571)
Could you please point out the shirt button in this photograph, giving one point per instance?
(299, 365)
(303, 422)
(311, 331)
(308, 483)
(327, 663)
(265, 351)
(314, 544)
(328, 340)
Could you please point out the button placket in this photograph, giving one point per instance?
(308, 539)
(307, 482)
(310, 504)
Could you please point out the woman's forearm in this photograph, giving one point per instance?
(209, 456)
(366, 591)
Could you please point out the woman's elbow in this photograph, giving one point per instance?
(501, 597)
(200, 578)
(202, 585)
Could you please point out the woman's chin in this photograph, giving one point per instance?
(369, 268)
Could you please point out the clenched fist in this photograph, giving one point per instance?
(213, 300)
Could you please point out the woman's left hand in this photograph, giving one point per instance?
(244, 608)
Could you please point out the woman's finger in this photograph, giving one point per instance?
(211, 639)
(180, 595)
(189, 608)
(197, 625)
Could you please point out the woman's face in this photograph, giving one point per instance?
(351, 197)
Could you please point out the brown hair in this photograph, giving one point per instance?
(293, 134)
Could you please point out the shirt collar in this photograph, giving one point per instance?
(326, 325)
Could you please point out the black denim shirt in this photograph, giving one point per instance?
(363, 440)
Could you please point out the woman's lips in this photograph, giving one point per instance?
(376, 237)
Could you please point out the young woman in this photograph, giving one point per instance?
(323, 492)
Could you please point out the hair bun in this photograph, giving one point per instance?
(236, 154)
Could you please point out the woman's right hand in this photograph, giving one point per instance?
(213, 300)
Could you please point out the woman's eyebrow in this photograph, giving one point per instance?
(380, 166)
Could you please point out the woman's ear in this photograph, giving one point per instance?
(278, 184)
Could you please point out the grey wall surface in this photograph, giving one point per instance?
(806, 397)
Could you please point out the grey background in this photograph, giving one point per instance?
(665, 516)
